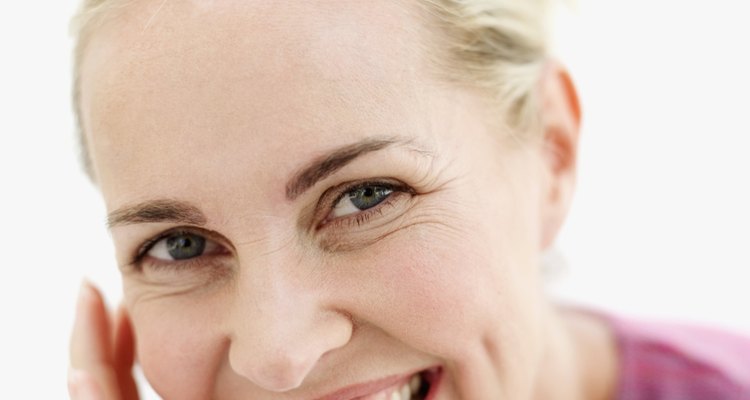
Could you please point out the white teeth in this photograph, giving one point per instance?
(405, 392)
(414, 383)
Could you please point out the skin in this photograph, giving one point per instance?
(219, 104)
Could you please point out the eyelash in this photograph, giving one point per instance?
(330, 198)
(336, 194)
(144, 248)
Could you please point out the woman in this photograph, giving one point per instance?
(345, 200)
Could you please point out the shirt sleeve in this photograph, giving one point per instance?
(675, 362)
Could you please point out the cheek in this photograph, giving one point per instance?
(464, 288)
(440, 291)
(173, 349)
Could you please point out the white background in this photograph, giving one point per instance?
(659, 228)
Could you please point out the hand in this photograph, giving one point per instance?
(102, 351)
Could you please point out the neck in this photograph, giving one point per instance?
(581, 358)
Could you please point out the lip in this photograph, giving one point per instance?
(360, 390)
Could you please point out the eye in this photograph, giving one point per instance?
(181, 246)
(360, 199)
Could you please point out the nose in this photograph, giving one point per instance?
(281, 328)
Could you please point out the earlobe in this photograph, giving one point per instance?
(561, 116)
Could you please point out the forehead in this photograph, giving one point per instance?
(196, 84)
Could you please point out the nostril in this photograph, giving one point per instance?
(276, 337)
(280, 360)
(275, 371)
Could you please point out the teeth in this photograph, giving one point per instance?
(405, 392)
(415, 383)
(408, 390)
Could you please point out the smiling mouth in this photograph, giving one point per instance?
(420, 386)
(423, 385)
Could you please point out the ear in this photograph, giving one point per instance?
(560, 124)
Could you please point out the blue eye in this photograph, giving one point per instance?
(360, 199)
(180, 246)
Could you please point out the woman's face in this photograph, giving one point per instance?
(299, 206)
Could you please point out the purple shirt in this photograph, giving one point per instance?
(672, 362)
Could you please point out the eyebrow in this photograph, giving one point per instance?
(329, 163)
(163, 210)
(182, 212)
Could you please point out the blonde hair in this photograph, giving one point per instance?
(497, 46)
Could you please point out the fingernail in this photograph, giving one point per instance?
(85, 291)
(81, 385)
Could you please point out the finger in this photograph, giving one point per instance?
(124, 354)
(82, 386)
(90, 343)
(91, 356)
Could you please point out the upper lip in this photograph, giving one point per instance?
(366, 388)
